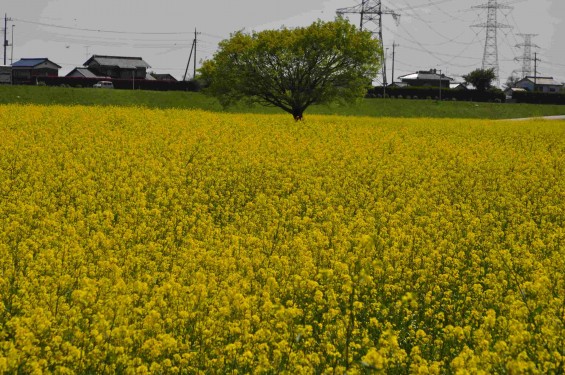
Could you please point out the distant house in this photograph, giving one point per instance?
(541, 84)
(398, 84)
(509, 92)
(27, 69)
(117, 66)
(83, 73)
(426, 78)
(5, 74)
(458, 86)
(163, 77)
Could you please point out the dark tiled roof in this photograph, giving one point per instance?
(85, 72)
(122, 62)
(31, 62)
(164, 77)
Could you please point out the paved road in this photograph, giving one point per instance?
(537, 118)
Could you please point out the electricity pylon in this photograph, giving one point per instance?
(490, 55)
(372, 12)
(527, 57)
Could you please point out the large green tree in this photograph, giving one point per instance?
(481, 78)
(294, 68)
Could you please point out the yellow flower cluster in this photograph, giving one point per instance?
(143, 241)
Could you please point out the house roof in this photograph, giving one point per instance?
(32, 62)
(85, 72)
(515, 89)
(454, 85)
(428, 75)
(398, 84)
(122, 62)
(163, 77)
(547, 81)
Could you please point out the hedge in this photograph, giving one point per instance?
(493, 95)
(538, 97)
(125, 84)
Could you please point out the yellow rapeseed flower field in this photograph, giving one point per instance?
(142, 241)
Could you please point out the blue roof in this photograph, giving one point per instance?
(30, 63)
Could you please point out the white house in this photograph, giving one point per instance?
(426, 78)
(509, 92)
(541, 84)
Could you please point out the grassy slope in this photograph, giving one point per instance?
(367, 107)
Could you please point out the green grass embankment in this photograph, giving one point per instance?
(365, 107)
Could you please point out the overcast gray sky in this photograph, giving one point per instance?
(431, 33)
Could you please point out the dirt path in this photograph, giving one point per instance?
(562, 117)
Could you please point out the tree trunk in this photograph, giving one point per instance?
(298, 113)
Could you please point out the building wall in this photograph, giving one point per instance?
(5, 75)
(426, 83)
(526, 85)
(29, 74)
(114, 72)
(46, 65)
(551, 88)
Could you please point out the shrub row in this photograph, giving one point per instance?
(539, 97)
(126, 84)
(493, 95)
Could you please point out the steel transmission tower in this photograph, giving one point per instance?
(372, 12)
(527, 57)
(490, 56)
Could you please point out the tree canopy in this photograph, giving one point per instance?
(294, 68)
(481, 78)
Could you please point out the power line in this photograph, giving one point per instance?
(412, 7)
(102, 30)
(426, 23)
(436, 54)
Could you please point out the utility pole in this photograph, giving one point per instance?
(195, 43)
(536, 71)
(188, 64)
(384, 70)
(490, 55)
(394, 45)
(5, 43)
(440, 85)
(192, 51)
(12, 45)
(527, 56)
(372, 11)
